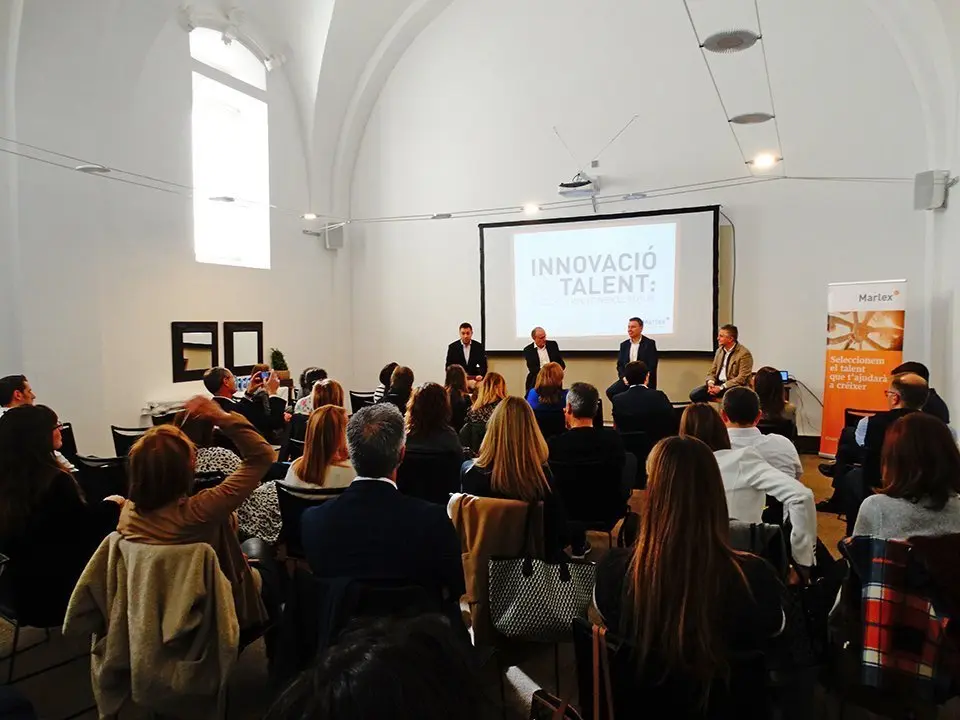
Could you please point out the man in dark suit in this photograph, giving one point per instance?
(267, 417)
(640, 408)
(372, 531)
(636, 348)
(468, 354)
(538, 353)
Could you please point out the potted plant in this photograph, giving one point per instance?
(279, 364)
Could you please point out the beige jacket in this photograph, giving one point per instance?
(490, 527)
(165, 633)
(739, 367)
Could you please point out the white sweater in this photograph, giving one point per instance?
(748, 479)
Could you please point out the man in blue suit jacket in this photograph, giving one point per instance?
(372, 531)
(635, 348)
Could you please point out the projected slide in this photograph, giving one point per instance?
(580, 282)
(583, 278)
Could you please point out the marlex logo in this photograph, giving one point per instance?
(879, 297)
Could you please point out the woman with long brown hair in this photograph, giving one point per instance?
(401, 385)
(696, 612)
(428, 422)
(548, 393)
(768, 384)
(47, 527)
(490, 393)
(325, 464)
(748, 479)
(456, 387)
(513, 465)
(921, 482)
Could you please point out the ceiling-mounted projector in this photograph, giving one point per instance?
(582, 185)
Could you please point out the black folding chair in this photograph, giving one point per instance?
(164, 419)
(69, 446)
(551, 422)
(853, 416)
(593, 494)
(640, 444)
(430, 476)
(785, 427)
(360, 400)
(100, 477)
(124, 438)
(292, 503)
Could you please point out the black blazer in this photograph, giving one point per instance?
(266, 423)
(392, 536)
(533, 360)
(646, 353)
(640, 409)
(478, 358)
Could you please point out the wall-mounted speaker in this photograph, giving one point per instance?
(336, 238)
(930, 189)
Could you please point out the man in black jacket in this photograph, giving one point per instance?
(538, 353)
(635, 348)
(268, 418)
(640, 408)
(372, 531)
(468, 354)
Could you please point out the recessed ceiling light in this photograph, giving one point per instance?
(751, 118)
(441, 216)
(223, 199)
(764, 161)
(92, 168)
(531, 208)
(309, 216)
(730, 41)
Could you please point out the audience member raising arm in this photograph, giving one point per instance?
(161, 510)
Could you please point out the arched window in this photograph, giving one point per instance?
(231, 155)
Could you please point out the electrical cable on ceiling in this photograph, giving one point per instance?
(766, 71)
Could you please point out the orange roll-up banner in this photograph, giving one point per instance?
(864, 343)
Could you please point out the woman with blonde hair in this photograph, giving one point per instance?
(513, 465)
(325, 464)
(548, 393)
(161, 510)
(490, 393)
(697, 613)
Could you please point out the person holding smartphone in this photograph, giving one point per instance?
(259, 404)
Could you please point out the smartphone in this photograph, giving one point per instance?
(265, 375)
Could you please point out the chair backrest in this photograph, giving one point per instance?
(785, 427)
(294, 450)
(292, 503)
(591, 492)
(430, 476)
(640, 444)
(763, 539)
(207, 480)
(360, 400)
(124, 438)
(100, 477)
(852, 416)
(69, 447)
(164, 419)
(678, 409)
(298, 426)
(551, 422)
(598, 418)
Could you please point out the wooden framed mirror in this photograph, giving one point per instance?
(195, 349)
(242, 346)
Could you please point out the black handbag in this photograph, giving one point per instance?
(532, 599)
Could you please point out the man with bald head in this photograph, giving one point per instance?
(538, 353)
(907, 393)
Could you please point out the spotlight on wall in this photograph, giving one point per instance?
(531, 209)
(92, 168)
(309, 216)
(764, 161)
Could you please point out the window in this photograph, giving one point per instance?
(231, 156)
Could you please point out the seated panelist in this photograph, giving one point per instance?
(636, 348)
(538, 353)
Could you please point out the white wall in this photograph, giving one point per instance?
(108, 266)
(465, 121)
